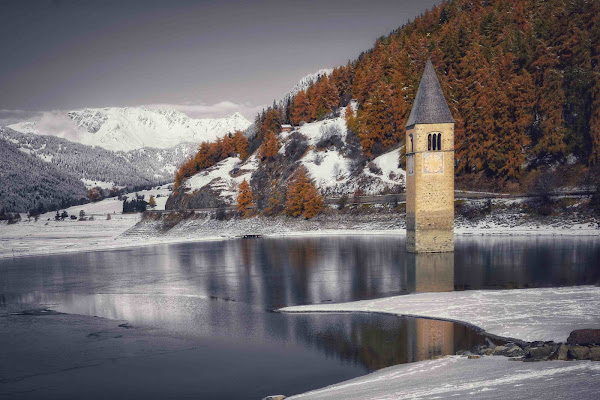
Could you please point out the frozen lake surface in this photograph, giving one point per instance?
(217, 297)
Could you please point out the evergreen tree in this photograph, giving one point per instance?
(303, 198)
(270, 146)
(244, 198)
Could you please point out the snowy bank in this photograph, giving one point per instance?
(485, 378)
(525, 314)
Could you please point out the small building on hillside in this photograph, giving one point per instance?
(286, 128)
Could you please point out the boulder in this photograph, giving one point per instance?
(595, 353)
(562, 353)
(540, 353)
(509, 350)
(584, 337)
(579, 353)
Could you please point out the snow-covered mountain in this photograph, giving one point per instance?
(132, 128)
(97, 166)
(304, 83)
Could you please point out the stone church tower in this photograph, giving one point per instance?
(430, 170)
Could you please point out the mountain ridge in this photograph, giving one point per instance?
(134, 128)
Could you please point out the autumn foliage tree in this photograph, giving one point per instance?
(210, 153)
(244, 198)
(270, 146)
(521, 78)
(240, 144)
(303, 198)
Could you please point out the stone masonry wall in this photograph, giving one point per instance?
(430, 196)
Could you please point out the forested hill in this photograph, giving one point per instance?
(521, 78)
(27, 182)
(134, 169)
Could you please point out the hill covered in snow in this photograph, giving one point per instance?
(133, 128)
(327, 149)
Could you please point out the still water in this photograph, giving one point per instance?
(222, 294)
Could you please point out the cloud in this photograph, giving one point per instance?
(55, 122)
(217, 110)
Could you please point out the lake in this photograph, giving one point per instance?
(222, 294)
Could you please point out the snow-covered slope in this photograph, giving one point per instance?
(132, 128)
(327, 159)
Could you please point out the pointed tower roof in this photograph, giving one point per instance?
(430, 106)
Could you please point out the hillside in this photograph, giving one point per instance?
(27, 182)
(133, 128)
(326, 149)
(522, 79)
(137, 168)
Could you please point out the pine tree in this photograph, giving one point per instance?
(270, 146)
(300, 108)
(244, 198)
(240, 143)
(227, 147)
(377, 128)
(302, 197)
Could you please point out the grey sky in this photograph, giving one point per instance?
(74, 54)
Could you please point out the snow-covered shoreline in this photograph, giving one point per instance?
(490, 377)
(127, 231)
(545, 314)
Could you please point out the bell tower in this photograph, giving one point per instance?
(430, 170)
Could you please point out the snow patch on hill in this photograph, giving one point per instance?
(224, 177)
(329, 169)
(131, 128)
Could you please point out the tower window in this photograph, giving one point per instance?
(412, 147)
(429, 142)
(439, 141)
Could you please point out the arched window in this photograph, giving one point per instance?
(429, 142)
(439, 141)
(412, 146)
(434, 144)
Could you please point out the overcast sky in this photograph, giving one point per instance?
(215, 57)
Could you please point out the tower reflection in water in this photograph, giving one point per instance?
(382, 343)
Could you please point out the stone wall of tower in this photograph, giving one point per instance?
(430, 196)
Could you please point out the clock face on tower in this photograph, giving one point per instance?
(433, 163)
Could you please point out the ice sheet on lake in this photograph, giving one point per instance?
(491, 377)
(526, 314)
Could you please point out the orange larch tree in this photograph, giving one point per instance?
(303, 198)
(270, 146)
(244, 198)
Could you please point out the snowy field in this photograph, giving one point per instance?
(491, 377)
(50, 237)
(525, 314)
(47, 236)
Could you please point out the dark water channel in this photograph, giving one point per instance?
(221, 294)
